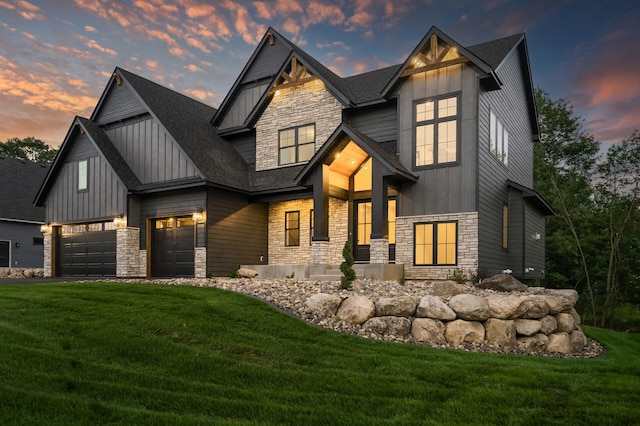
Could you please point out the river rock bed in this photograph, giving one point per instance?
(292, 295)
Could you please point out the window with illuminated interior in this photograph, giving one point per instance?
(296, 144)
(436, 135)
(498, 139)
(435, 243)
(292, 228)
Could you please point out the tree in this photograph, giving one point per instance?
(29, 148)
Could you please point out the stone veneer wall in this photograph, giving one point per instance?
(127, 252)
(379, 251)
(296, 106)
(279, 254)
(48, 240)
(200, 260)
(467, 245)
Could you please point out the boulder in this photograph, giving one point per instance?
(527, 327)
(446, 289)
(388, 325)
(502, 282)
(427, 330)
(28, 273)
(356, 310)
(4, 273)
(460, 331)
(500, 333)
(569, 294)
(566, 322)
(578, 340)
(548, 324)
(434, 307)
(532, 344)
(402, 306)
(247, 273)
(557, 304)
(323, 305)
(576, 316)
(504, 306)
(559, 343)
(470, 307)
(532, 307)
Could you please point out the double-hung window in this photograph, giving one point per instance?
(435, 243)
(498, 139)
(436, 137)
(296, 144)
(292, 228)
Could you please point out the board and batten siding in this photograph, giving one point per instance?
(509, 103)
(243, 103)
(444, 188)
(171, 204)
(378, 122)
(515, 233)
(120, 103)
(237, 232)
(105, 197)
(534, 249)
(152, 154)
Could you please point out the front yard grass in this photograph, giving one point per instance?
(95, 353)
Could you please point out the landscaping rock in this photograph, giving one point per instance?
(427, 330)
(247, 273)
(470, 307)
(504, 306)
(500, 333)
(402, 306)
(532, 307)
(548, 324)
(502, 282)
(527, 327)
(323, 305)
(388, 325)
(566, 322)
(560, 343)
(569, 294)
(557, 304)
(459, 331)
(578, 340)
(434, 307)
(446, 289)
(532, 344)
(356, 309)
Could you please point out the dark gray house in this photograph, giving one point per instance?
(21, 241)
(425, 166)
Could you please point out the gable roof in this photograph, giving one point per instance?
(20, 182)
(495, 51)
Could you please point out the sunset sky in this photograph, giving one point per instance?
(56, 56)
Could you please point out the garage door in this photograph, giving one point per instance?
(172, 247)
(87, 250)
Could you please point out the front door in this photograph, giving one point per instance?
(363, 230)
(172, 247)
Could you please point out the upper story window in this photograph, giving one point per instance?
(296, 144)
(498, 139)
(83, 175)
(436, 138)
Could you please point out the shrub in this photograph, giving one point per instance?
(458, 276)
(234, 272)
(346, 267)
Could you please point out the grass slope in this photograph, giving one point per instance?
(132, 354)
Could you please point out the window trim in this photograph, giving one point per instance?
(295, 144)
(435, 121)
(501, 153)
(287, 228)
(435, 243)
(84, 188)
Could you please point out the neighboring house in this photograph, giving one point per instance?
(21, 241)
(426, 167)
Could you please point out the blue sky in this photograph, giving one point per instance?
(56, 56)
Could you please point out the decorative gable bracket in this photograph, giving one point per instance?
(297, 75)
(436, 55)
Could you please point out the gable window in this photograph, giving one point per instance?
(296, 144)
(82, 175)
(436, 137)
(292, 229)
(498, 139)
(435, 243)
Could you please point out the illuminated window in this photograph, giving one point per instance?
(436, 137)
(82, 175)
(296, 144)
(435, 243)
(392, 221)
(498, 139)
(292, 229)
(505, 226)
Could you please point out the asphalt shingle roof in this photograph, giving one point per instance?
(493, 52)
(20, 182)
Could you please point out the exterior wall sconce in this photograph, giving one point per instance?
(198, 216)
(120, 221)
(45, 229)
(536, 236)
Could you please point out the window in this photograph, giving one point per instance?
(82, 175)
(498, 139)
(311, 227)
(364, 223)
(435, 243)
(292, 229)
(296, 144)
(505, 226)
(392, 221)
(38, 241)
(436, 131)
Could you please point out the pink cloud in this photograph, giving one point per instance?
(152, 64)
(318, 12)
(250, 30)
(193, 68)
(264, 10)
(90, 29)
(92, 44)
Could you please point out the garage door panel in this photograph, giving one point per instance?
(87, 253)
(172, 247)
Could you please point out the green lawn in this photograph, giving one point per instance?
(138, 354)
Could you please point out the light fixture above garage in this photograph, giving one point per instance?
(120, 221)
(198, 216)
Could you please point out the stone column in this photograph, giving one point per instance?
(320, 252)
(379, 250)
(200, 262)
(48, 245)
(127, 252)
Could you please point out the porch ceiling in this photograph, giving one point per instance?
(345, 163)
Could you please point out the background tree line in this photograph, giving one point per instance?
(593, 241)
(29, 148)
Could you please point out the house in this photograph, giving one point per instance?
(425, 166)
(21, 242)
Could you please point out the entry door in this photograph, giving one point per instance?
(172, 249)
(363, 230)
(4, 254)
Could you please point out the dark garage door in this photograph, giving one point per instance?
(172, 247)
(87, 250)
